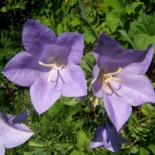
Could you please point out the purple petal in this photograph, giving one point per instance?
(142, 66)
(15, 137)
(18, 119)
(35, 35)
(23, 69)
(112, 139)
(95, 73)
(110, 56)
(97, 88)
(107, 47)
(2, 149)
(97, 141)
(75, 43)
(97, 83)
(44, 95)
(12, 136)
(74, 82)
(118, 109)
(107, 137)
(136, 90)
(53, 53)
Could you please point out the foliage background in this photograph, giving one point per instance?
(68, 127)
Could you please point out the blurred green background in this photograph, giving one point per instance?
(68, 127)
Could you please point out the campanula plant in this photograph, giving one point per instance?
(118, 78)
(49, 65)
(12, 131)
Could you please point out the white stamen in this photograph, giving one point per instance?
(53, 66)
(115, 73)
(107, 77)
(45, 65)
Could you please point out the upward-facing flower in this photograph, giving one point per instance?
(48, 66)
(118, 78)
(12, 132)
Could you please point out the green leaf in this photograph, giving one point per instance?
(131, 122)
(84, 65)
(31, 143)
(82, 140)
(131, 8)
(37, 151)
(152, 148)
(71, 102)
(143, 31)
(75, 21)
(103, 7)
(59, 28)
(134, 150)
(75, 152)
(142, 41)
(145, 25)
(143, 151)
(115, 4)
(88, 35)
(113, 20)
(55, 109)
(46, 21)
(83, 12)
(89, 57)
(28, 153)
(126, 37)
(79, 123)
(3, 9)
(147, 109)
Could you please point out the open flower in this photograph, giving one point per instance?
(108, 138)
(12, 132)
(48, 66)
(118, 78)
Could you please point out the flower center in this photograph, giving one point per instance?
(54, 66)
(106, 78)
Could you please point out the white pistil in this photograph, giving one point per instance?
(53, 66)
(107, 78)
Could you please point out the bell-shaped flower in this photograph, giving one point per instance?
(118, 78)
(49, 65)
(106, 136)
(12, 132)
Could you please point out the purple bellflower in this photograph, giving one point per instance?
(118, 78)
(12, 132)
(108, 138)
(48, 65)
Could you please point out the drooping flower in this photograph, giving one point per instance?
(107, 137)
(48, 65)
(12, 132)
(118, 78)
